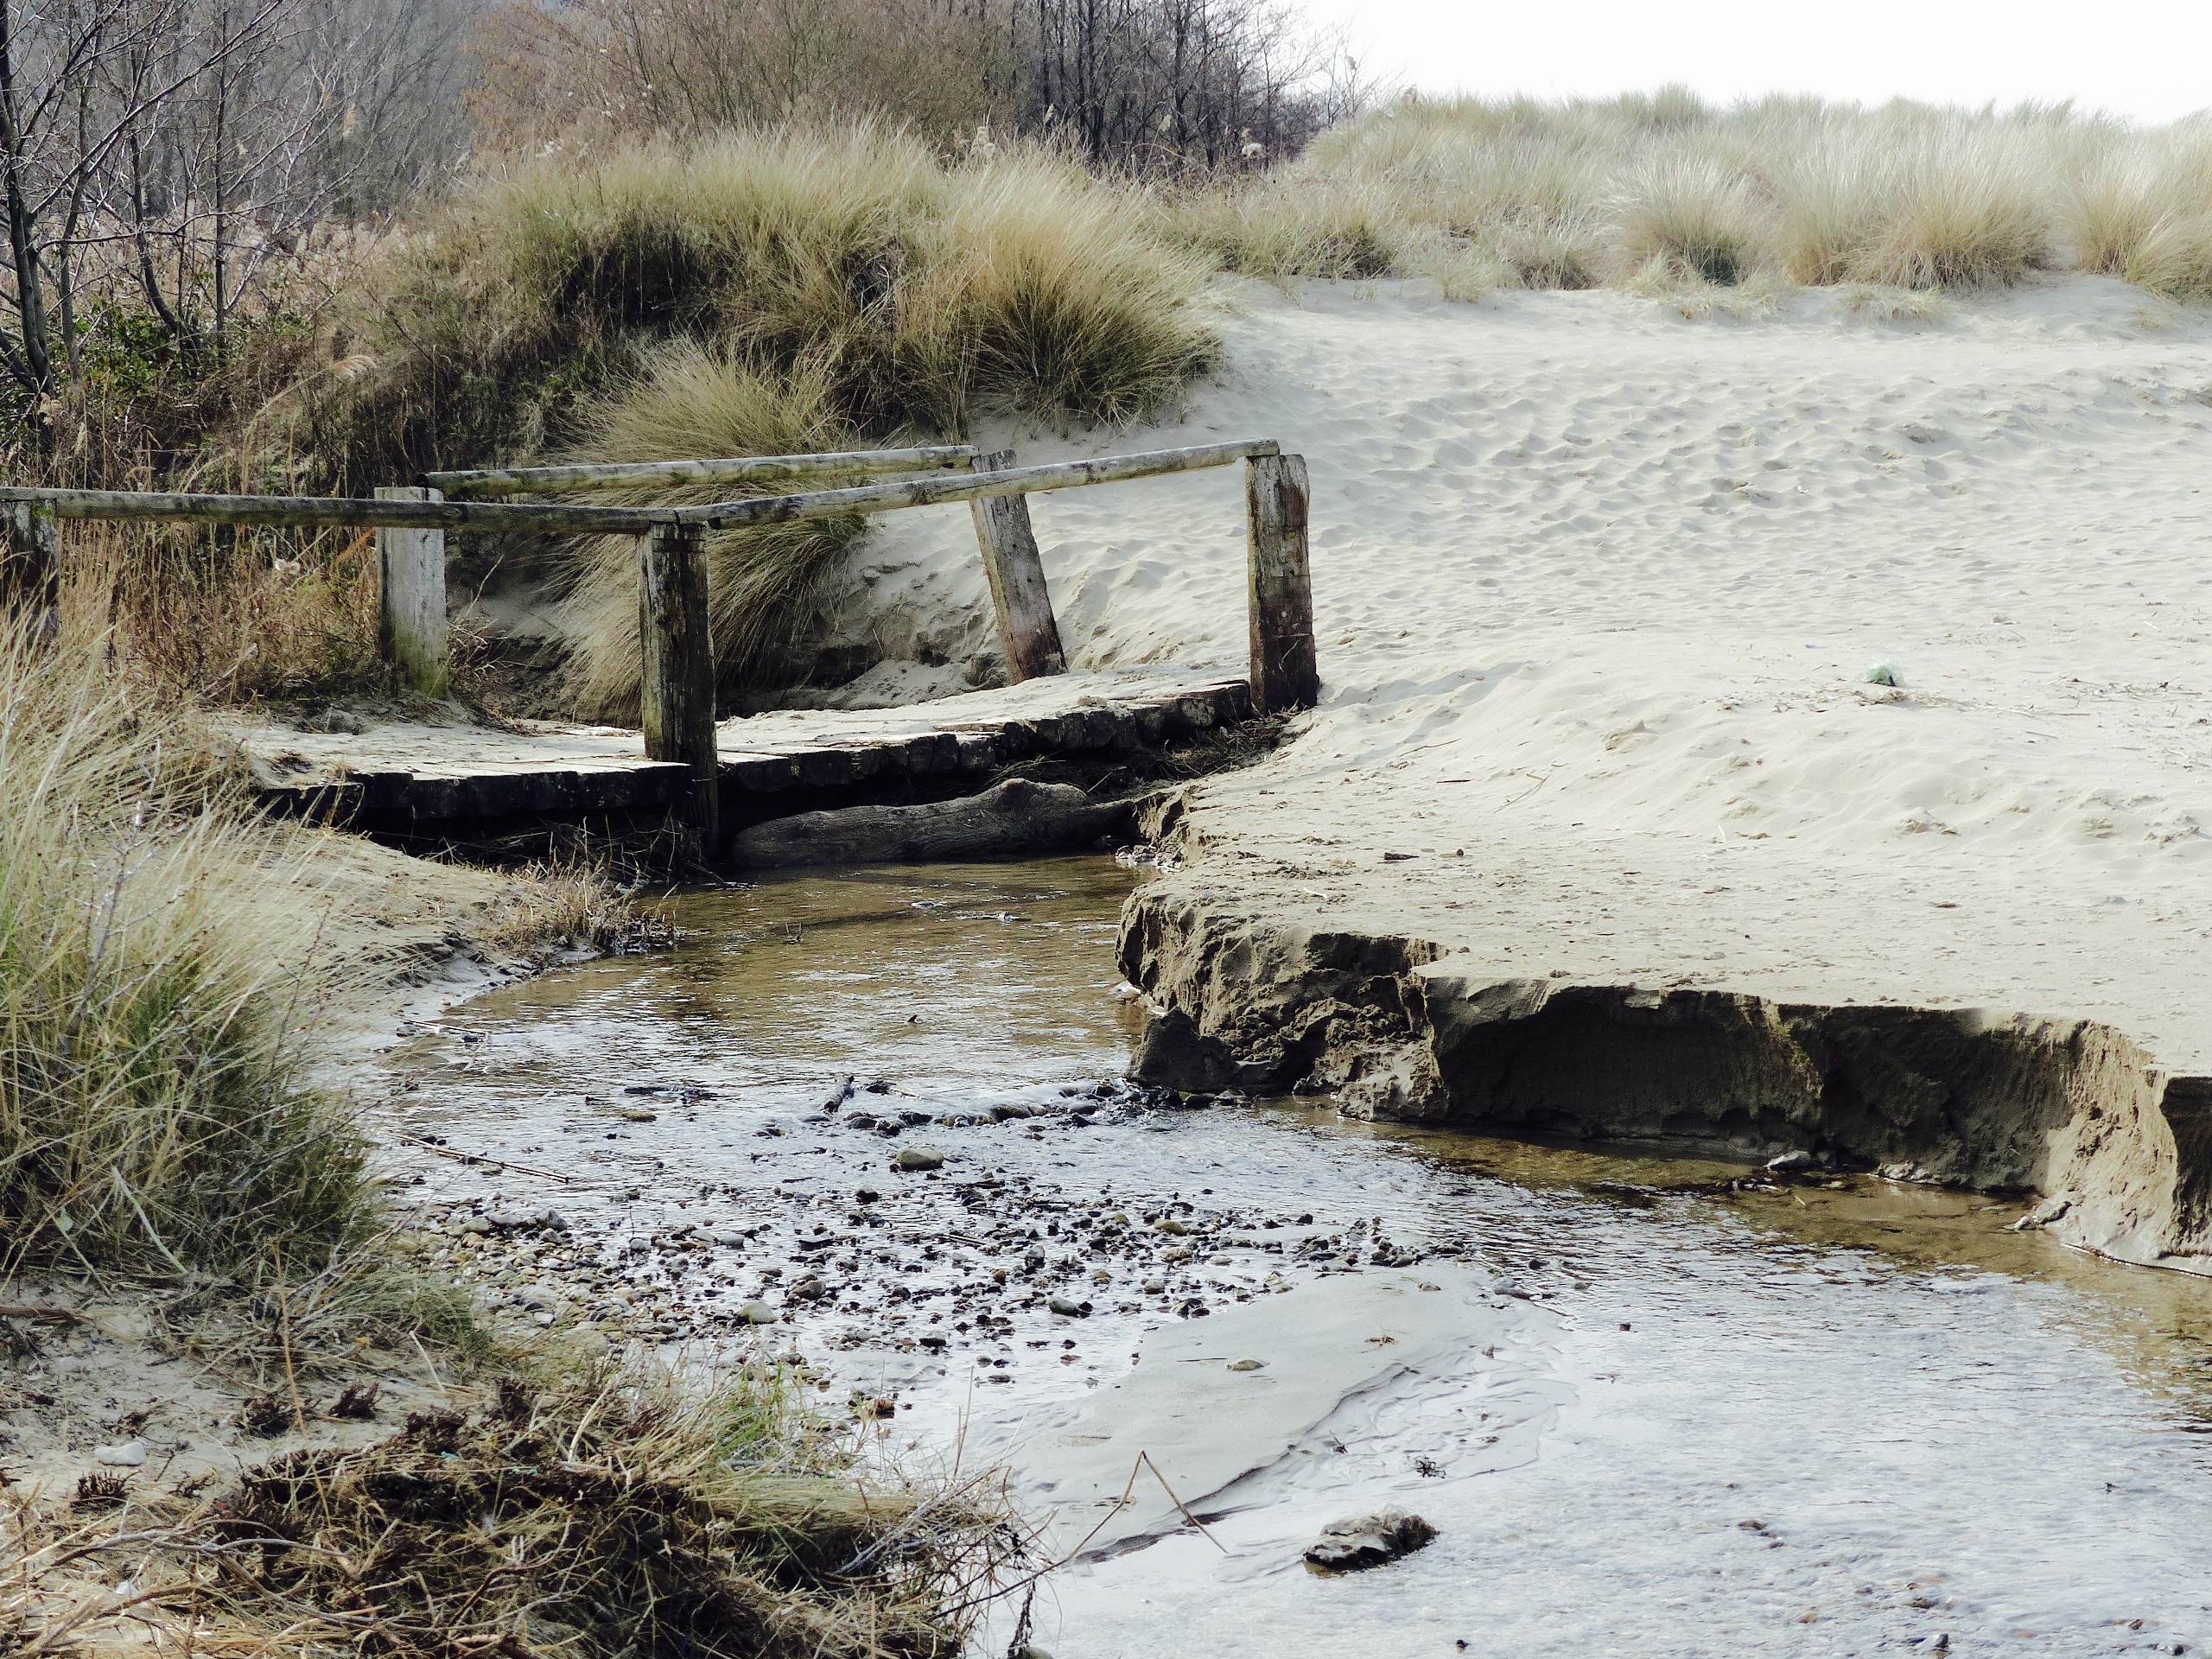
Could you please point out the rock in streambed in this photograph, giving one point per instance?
(1359, 1542)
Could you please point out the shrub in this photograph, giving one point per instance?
(1692, 215)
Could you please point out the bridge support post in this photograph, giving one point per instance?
(1285, 673)
(678, 644)
(31, 587)
(412, 628)
(1026, 629)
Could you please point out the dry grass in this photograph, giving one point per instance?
(604, 1511)
(554, 909)
(1567, 195)
(230, 617)
(154, 996)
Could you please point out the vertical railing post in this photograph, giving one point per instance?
(31, 587)
(1285, 674)
(676, 638)
(411, 629)
(1030, 635)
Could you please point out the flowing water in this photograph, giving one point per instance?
(1661, 1417)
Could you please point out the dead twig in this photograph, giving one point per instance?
(461, 1157)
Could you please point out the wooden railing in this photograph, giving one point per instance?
(675, 640)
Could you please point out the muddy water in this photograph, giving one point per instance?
(1677, 1420)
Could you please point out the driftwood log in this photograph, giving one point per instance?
(1015, 817)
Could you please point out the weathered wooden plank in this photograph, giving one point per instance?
(1027, 630)
(1285, 672)
(412, 628)
(929, 492)
(312, 510)
(736, 469)
(678, 650)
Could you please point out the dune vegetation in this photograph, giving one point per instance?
(1522, 193)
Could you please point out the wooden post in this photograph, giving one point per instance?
(1026, 629)
(1285, 674)
(31, 587)
(411, 632)
(678, 651)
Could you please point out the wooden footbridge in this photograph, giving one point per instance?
(718, 776)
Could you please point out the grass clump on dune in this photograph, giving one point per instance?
(764, 584)
(917, 292)
(750, 292)
(153, 994)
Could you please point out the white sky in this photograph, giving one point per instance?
(2148, 60)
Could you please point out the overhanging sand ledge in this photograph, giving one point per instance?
(1402, 1030)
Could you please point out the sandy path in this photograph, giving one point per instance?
(1597, 585)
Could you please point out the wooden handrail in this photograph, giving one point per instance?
(972, 486)
(737, 469)
(310, 510)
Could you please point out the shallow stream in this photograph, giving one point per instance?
(1653, 1416)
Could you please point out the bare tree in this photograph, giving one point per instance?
(1148, 85)
(181, 149)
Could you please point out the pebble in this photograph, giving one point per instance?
(1069, 1308)
(1359, 1542)
(131, 1454)
(919, 1158)
(1247, 1364)
(757, 1312)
